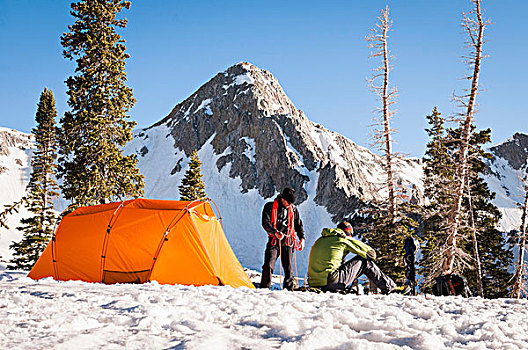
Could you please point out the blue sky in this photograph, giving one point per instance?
(316, 49)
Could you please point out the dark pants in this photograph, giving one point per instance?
(352, 269)
(270, 257)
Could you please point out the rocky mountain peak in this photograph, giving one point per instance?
(263, 139)
(265, 88)
(514, 150)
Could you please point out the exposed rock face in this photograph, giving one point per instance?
(505, 174)
(514, 151)
(270, 144)
(12, 138)
(13, 144)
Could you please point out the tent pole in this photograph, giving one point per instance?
(164, 238)
(219, 214)
(54, 242)
(205, 250)
(107, 235)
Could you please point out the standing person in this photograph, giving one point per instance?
(282, 222)
(328, 270)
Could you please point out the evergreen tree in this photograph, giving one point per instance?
(387, 235)
(438, 179)
(478, 215)
(192, 186)
(97, 127)
(41, 188)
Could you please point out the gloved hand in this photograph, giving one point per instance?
(301, 245)
(371, 255)
(279, 235)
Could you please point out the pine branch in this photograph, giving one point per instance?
(10, 210)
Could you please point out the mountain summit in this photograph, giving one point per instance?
(269, 143)
(253, 141)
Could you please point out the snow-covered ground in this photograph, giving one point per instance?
(48, 314)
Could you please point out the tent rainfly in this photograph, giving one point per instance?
(142, 240)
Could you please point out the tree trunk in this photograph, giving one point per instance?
(476, 257)
(519, 272)
(378, 41)
(386, 122)
(454, 218)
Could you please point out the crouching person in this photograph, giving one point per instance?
(328, 270)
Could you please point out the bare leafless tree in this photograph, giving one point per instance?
(476, 255)
(377, 40)
(474, 26)
(519, 278)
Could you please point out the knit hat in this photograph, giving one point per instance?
(346, 227)
(288, 194)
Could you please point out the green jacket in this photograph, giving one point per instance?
(328, 253)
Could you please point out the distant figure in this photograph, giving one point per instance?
(282, 222)
(328, 270)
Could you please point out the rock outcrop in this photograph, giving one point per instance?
(514, 150)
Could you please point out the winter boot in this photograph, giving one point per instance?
(403, 290)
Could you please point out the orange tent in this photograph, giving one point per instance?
(142, 240)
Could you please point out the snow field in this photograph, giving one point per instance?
(79, 315)
(14, 175)
(509, 190)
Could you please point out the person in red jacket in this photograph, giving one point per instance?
(281, 221)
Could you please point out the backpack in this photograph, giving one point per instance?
(451, 284)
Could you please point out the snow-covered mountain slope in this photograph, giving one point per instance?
(240, 210)
(48, 314)
(15, 156)
(505, 177)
